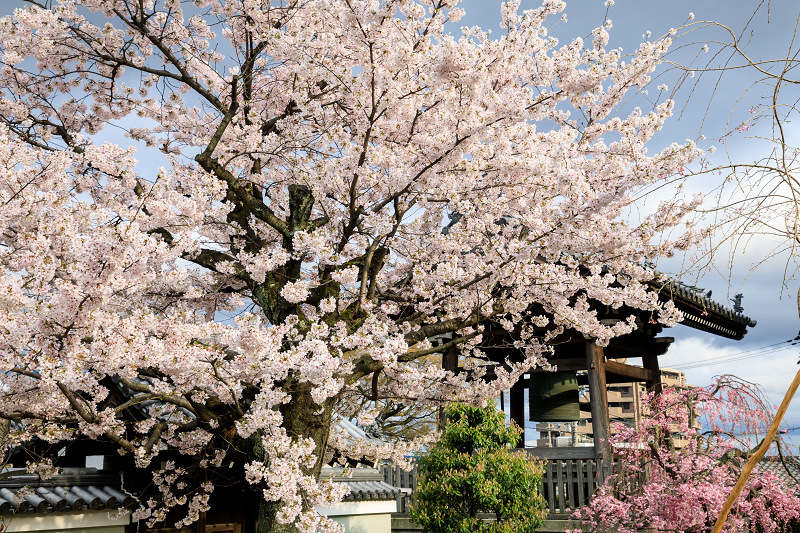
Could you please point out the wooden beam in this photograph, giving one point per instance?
(566, 452)
(563, 365)
(623, 373)
(516, 404)
(637, 345)
(650, 362)
(598, 397)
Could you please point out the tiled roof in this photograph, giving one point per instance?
(774, 465)
(700, 311)
(699, 297)
(364, 483)
(352, 432)
(75, 489)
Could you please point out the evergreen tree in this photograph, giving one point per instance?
(472, 471)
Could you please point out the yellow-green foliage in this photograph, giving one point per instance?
(471, 470)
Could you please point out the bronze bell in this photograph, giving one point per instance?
(553, 397)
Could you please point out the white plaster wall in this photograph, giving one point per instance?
(365, 516)
(75, 522)
(359, 507)
(368, 523)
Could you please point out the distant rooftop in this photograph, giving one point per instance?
(364, 483)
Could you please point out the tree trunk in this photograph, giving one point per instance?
(267, 522)
(300, 419)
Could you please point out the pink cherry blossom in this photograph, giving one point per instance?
(675, 469)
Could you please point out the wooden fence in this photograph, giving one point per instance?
(566, 483)
(404, 479)
(570, 483)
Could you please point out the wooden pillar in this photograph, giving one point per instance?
(516, 404)
(650, 362)
(598, 396)
(449, 362)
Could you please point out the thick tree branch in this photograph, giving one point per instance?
(256, 207)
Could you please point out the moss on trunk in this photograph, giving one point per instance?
(302, 418)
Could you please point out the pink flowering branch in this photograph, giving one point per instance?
(674, 475)
(757, 455)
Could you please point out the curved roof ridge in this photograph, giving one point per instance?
(696, 295)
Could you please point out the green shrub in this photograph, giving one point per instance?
(472, 471)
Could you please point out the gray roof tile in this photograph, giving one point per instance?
(364, 483)
(75, 490)
(774, 465)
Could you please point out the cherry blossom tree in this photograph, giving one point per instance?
(677, 467)
(217, 313)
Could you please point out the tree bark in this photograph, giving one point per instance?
(302, 418)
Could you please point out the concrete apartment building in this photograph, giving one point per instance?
(624, 405)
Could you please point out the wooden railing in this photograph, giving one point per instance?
(403, 479)
(569, 484)
(397, 477)
(566, 483)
